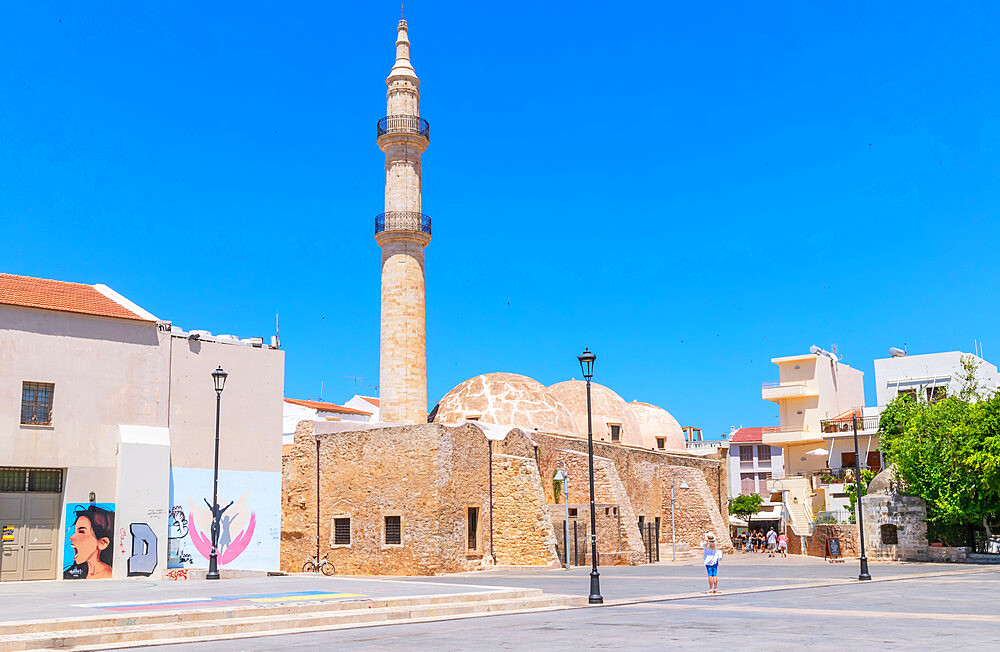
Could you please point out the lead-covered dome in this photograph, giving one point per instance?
(608, 409)
(504, 398)
(656, 423)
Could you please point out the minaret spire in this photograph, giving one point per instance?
(403, 231)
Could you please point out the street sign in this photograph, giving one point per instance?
(8, 532)
(833, 549)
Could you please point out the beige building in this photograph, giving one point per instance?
(107, 418)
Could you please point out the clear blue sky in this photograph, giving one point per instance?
(687, 190)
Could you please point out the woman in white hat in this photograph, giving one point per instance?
(712, 555)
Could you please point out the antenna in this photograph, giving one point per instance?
(276, 339)
(321, 391)
(356, 379)
(375, 387)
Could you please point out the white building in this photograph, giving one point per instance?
(107, 414)
(296, 410)
(366, 404)
(928, 377)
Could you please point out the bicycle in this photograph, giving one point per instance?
(325, 566)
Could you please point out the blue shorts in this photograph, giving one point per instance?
(713, 570)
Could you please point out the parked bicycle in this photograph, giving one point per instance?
(324, 566)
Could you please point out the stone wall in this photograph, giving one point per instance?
(815, 544)
(427, 475)
(638, 481)
(519, 506)
(888, 515)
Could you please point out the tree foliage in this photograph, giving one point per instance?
(948, 452)
(745, 505)
(852, 490)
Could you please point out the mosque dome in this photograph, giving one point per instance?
(608, 410)
(654, 423)
(509, 399)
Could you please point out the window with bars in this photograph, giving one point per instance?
(473, 527)
(393, 530)
(342, 531)
(14, 479)
(764, 453)
(746, 453)
(616, 431)
(36, 403)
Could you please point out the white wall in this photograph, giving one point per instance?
(734, 469)
(921, 371)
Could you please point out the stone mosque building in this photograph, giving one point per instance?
(471, 484)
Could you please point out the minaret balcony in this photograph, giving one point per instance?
(404, 125)
(403, 221)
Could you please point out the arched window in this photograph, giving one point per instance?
(890, 534)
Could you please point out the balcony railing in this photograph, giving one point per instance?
(404, 124)
(833, 426)
(403, 221)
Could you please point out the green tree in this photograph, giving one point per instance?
(852, 491)
(744, 506)
(948, 453)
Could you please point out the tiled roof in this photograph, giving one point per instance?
(326, 407)
(370, 399)
(745, 435)
(60, 295)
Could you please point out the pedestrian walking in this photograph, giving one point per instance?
(783, 544)
(711, 555)
(772, 542)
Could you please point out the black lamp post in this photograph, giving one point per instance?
(587, 365)
(864, 575)
(219, 376)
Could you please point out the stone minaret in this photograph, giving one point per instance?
(403, 231)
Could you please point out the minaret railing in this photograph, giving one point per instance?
(403, 221)
(404, 124)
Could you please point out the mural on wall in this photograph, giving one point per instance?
(90, 533)
(143, 559)
(249, 522)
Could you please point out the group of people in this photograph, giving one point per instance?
(757, 541)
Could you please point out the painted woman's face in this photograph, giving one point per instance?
(85, 544)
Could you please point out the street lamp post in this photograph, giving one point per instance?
(673, 528)
(587, 366)
(864, 575)
(219, 376)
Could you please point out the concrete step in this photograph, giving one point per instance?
(102, 633)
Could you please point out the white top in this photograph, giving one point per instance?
(712, 557)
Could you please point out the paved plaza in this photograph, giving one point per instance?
(765, 603)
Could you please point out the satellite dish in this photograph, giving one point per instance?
(815, 350)
(896, 353)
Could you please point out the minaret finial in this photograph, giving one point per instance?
(401, 14)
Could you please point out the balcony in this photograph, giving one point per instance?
(784, 435)
(409, 125)
(782, 391)
(866, 425)
(403, 221)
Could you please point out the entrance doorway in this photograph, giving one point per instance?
(30, 524)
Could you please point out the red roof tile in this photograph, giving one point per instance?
(326, 407)
(60, 295)
(745, 435)
(373, 401)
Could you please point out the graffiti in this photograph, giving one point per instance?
(249, 518)
(90, 531)
(176, 574)
(155, 513)
(143, 559)
(229, 547)
(121, 541)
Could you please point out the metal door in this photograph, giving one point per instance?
(34, 517)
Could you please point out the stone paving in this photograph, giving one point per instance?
(766, 604)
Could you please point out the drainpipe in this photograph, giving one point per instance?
(317, 502)
(493, 556)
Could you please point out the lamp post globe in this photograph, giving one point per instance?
(219, 378)
(587, 367)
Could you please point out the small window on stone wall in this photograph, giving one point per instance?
(616, 431)
(393, 530)
(572, 512)
(473, 527)
(661, 442)
(342, 531)
(890, 534)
